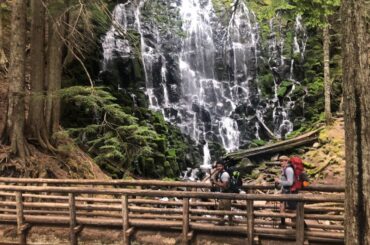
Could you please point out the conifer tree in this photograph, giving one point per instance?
(356, 94)
(36, 120)
(13, 132)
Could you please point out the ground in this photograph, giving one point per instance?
(327, 155)
(324, 160)
(70, 162)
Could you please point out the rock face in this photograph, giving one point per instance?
(206, 71)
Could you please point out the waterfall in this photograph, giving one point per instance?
(204, 80)
(278, 63)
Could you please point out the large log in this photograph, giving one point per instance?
(155, 183)
(167, 224)
(319, 207)
(284, 145)
(168, 217)
(178, 194)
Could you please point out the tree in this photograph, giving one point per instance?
(36, 120)
(13, 132)
(316, 14)
(327, 80)
(3, 58)
(54, 68)
(356, 96)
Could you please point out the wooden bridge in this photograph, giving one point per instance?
(131, 205)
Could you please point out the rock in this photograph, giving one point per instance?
(301, 151)
(316, 145)
(275, 158)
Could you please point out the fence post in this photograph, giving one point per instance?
(72, 219)
(125, 221)
(250, 220)
(300, 223)
(21, 226)
(185, 220)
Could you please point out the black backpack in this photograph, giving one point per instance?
(235, 180)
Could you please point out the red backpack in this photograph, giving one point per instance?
(300, 177)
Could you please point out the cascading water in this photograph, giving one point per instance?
(205, 79)
(278, 63)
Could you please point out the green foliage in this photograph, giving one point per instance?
(266, 84)
(257, 143)
(122, 143)
(223, 9)
(164, 17)
(267, 9)
(316, 12)
(284, 88)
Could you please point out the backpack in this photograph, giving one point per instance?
(300, 177)
(235, 182)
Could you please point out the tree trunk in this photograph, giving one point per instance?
(327, 81)
(14, 130)
(356, 95)
(54, 71)
(36, 121)
(3, 58)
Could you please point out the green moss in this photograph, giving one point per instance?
(266, 84)
(130, 140)
(258, 142)
(284, 88)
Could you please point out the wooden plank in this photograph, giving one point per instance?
(72, 220)
(250, 220)
(22, 233)
(185, 220)
(152, 183)
(55, 220)
(172, 203)
(125, 220)
(300, 224)
(179, 194)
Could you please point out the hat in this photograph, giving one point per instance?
(284, 158)
(221, 161)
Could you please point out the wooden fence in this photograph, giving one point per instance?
(79, 203)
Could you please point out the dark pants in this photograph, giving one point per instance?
(292, 205)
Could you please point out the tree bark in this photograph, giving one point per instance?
(327, 81)
(14, 130)
(54, 71)
(3, 58)
(356, 95)
(36, 121)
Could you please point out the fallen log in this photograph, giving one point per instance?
(305, 139)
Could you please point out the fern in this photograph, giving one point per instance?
(119, 141)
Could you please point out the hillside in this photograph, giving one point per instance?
(324, 159)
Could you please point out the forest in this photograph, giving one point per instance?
(150, 89)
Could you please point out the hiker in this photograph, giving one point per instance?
(221, 180)
(285, 182)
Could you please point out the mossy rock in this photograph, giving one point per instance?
(258, 142)
(283, 88)
(161, 144)
(324, 137)
(245, 166)
(160, 128)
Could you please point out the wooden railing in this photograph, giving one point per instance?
(89, 203)
(151, 183)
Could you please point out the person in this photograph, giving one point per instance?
(221, 180)
(285, 182)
